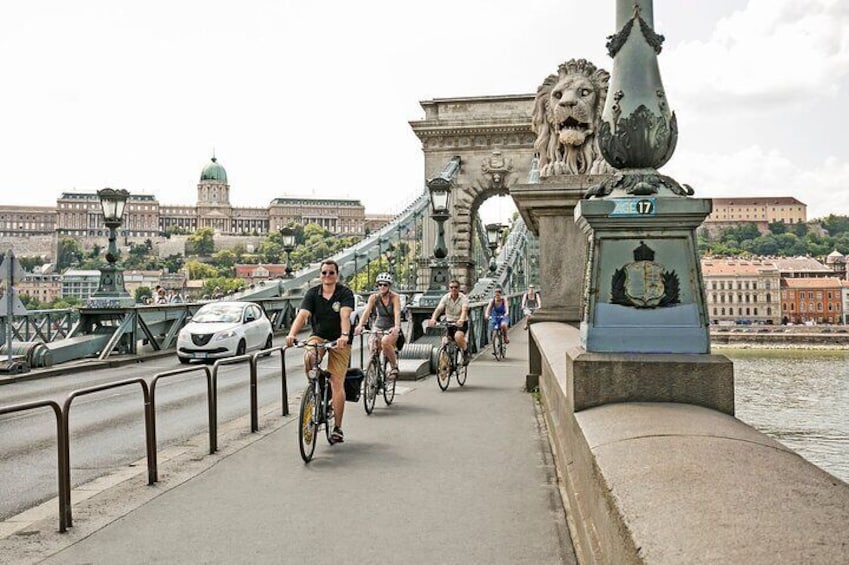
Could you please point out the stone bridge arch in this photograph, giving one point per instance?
(492, 136)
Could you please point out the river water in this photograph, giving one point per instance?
(799, 397)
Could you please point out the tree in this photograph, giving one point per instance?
(800, 229)
(777, 227)
(143, 292)
(198, 270)
(224, 258)
(30, 263)
(835, 225)
(202, 242)
(68, 252)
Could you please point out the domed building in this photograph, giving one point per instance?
(836, 261)
(213, 210)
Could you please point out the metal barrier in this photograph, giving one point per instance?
(61, 445)
(213, 447)
(209, 396)
(149, 392)
(148, 421)
(285, 385)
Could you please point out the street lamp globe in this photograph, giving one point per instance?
(287, 234)
(113, 202)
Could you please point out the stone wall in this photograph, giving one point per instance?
(667, 482)
(31, 246)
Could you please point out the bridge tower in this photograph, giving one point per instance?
(492, 136)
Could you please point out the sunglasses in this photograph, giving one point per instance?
(328, 273)
(382, 284)
(453, 287)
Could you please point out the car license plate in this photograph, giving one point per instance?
(200, 355)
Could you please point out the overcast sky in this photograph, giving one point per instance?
(314, 98)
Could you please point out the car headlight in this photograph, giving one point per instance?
(224, 335)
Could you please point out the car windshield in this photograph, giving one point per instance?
(219, 313)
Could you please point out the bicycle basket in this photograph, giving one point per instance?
(353, 383)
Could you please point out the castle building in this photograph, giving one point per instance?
(78, 214)
(760, 211)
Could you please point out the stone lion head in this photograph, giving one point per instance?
(567, 111)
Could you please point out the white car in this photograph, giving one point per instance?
(224, 329)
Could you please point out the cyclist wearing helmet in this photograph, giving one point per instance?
(387, 307)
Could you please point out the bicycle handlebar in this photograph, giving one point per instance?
(305, 344)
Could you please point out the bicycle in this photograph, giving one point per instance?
(449, 359)
(316, 409)
(499, 348)
(375, 379)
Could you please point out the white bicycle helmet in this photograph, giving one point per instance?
(383, 277)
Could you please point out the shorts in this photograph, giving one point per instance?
(339, 359)
(496, 321)
(455, 327)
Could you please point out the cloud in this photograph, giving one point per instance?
(759, 171)
(772, 54)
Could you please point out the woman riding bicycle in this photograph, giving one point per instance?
(531, 301)
(496, 313)
(387, 307)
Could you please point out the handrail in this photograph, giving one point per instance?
(61, 440)
(66, 413)
(285, 386)
(209, 394)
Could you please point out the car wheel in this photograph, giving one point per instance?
(269, 343)
(240, 349)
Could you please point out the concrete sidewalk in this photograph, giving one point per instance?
(463, 476)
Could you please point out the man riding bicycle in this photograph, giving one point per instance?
(496, 313)
(531, 302)
(455, 304)
(328, 308)
(387, 307)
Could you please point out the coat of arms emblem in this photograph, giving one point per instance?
(644, 283)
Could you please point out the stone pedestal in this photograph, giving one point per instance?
(603, 378)
(548, 210)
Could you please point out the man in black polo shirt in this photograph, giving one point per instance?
(328, 307)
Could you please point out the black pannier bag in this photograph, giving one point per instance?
(353, 383)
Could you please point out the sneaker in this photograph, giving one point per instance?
(337, 436)
(506, 339)
(392, 375)
(465, 358)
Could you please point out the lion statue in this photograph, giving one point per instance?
(567, 111)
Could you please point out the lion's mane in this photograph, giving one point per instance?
(571, 148)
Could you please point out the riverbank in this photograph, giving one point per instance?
(798, 337)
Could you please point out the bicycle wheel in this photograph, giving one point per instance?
(388, 384)
(443, 368)
(496, 344)
(460, 369)
(370, 386)
(307, 427)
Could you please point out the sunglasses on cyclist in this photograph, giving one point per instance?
(328, 273)
(382, 284)
(453, 287)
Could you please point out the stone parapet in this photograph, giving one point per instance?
(664, 482)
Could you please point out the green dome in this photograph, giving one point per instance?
(214, 171)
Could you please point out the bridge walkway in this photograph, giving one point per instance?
(463, 476)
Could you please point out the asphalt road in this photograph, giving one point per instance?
(107, 428)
